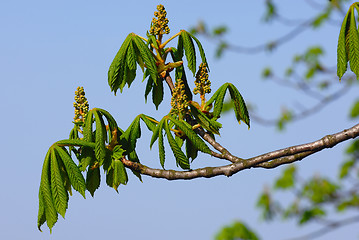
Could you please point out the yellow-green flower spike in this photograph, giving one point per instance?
(159, 26)
(179, 101)
(81, 105)
(203, 85)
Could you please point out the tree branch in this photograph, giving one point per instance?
(330, 227)
(267, 160)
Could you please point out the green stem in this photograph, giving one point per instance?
(171, 38)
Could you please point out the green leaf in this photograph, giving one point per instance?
(149, 121)
(133, 133)
(93, 179)
(218, 105)
(345, 168)
(147, 57)
(41, 217)
(75, 142)
(131, 57)
(157, 93)
(201, 51)
(208, 124)
(156, 132)
(119, 174)
(311, 214)
(74, 173)
(189, 51)
(342, 52)
(178, 53)
(192, 136)
(58, 191)
(149, 84)
(181, 158)
(191, 150)
(100, 149)
(353, 43)
(287, 179)
(87, 129)
(319, 190)
(240, 108)
(354, 112)
(118, 152)
(161, 147)
(116, 70)
(45, 194)
(237, 230)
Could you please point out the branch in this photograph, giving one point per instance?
(330, 227)
(268, 160)
(306, 112)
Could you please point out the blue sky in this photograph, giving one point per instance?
(48, 49)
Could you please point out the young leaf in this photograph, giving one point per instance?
(161, 147)
(353, 42)
(157, 93)
(189, 51)
(287, 179)
(147, 57)
(131, 57)
(93, 179)
(200, 48)
(100, 149)
(208, 124)
(149, 84)
(181, 158)
(75, 142)
(149, 121)
(116, 70)
(218, 105)
(133, 133)
(41, 217)
(75, 176)
(58, 191)
(46, 201)
(192, 136)
(191, 150)
(87, 129)
(119, 174)
(240, 108)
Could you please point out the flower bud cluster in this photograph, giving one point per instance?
(159, 26)
(203, 85)
(81, 105)
(179, 101)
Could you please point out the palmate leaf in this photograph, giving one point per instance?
(76, 179)
(47, 211)
(189, 51)
(116, 70)
(181, 158)
(239, 106)
(192, 136)
(58, 191)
